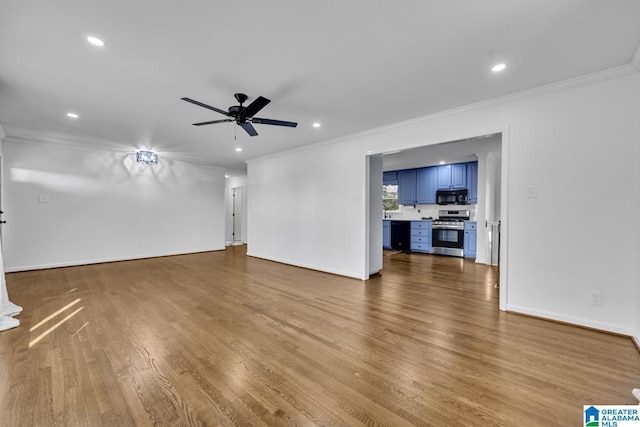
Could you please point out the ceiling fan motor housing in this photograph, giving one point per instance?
(234, 110)
(241, 97)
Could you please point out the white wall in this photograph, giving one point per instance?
(375, 214)
(104, 206)
(2, 136)
(493, 206)
(488, 196)
(231, 183)
(309, 208)
(493, 187)
(576, 142)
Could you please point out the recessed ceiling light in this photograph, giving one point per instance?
(238, 149)
(442, 162)
(95, 41)
(498, 67)
(316, 125)
(72, 115)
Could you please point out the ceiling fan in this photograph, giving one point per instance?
(242, 115)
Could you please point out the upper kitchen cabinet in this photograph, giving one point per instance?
(472, 182)
(419, 186)
(426, 186)
(390, 178)
(407, 187)
(452, 176)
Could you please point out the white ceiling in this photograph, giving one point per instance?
(351, 65)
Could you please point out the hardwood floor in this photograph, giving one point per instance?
(223, 339)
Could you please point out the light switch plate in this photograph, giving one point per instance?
(43, 198)
(532, 191)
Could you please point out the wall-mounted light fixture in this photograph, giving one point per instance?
(147, 157)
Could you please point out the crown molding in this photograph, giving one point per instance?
(90, 148)
(586, 79)
(39, 139)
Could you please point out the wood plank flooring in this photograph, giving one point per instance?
(223, 339)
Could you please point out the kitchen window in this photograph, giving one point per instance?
(390, 198)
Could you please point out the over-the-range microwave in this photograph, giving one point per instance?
(451, 197)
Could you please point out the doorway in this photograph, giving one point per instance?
(236, 216)
(491, 151)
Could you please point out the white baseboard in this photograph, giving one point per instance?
(587, 323)
(309, 266)
(101, 260)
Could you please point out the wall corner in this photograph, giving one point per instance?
(635, 61)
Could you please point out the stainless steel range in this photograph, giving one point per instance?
(448, 232)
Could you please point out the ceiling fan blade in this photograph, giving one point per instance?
(212, 122)
(217, 110)
(273, 122)
(258, 104)
(248, 128)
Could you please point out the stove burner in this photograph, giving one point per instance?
(451, 220)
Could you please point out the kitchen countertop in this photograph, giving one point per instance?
(405, 219)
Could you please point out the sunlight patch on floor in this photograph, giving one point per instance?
(52, 316)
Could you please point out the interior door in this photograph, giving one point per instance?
(237, 215)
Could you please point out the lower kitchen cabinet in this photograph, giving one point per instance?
(421, 236)
(470, 239)
(386, 234)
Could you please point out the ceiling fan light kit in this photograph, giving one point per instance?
(147, 157)
(243, 116)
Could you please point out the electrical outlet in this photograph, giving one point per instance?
(595, 298)
(43, 198)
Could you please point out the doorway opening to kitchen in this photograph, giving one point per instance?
(485, 211)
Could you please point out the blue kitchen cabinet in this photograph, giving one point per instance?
(472, 182)
(426, 185)
(419, 186)
(390, 178)
(452, 177)
(470, 239)
(407, 187)
(421, 236)
(386, 234)
(389, 175)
